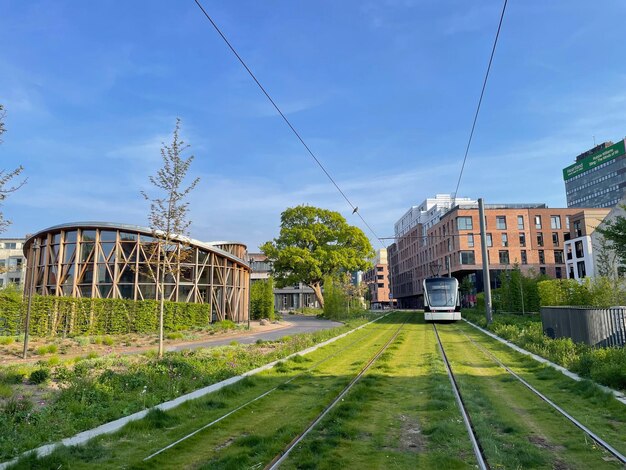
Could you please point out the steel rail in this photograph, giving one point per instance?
(605, 445)
(478, 451)
(275, 463)
(264, 394)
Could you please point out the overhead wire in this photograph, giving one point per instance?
(354, 208)
(480, 100)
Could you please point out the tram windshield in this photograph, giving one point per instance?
(441, 291)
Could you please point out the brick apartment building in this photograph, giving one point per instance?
(377, 280)
(529, 235)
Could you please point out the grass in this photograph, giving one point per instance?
(606, 366)
(256, 432)
(6, 340)
(516, 429)
(94, 390)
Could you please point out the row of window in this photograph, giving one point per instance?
(466, 222)
(11, 245)
(505, 239)
(597, 193)
(591, 183)
(468, 257)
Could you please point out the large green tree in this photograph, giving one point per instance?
(314, 243)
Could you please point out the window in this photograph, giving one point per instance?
(542, 257)
(464, 223)
(522, 239)
(568, 250)
(538, 221)
(470, 240)
(380, 284)
(542, 270)
(578, 246)
(567, 222)
(555, 238)
(558, 257)
(524, 257)
(501, 222)
(539, 239)
(505, 240)
(503, 256)
(380, 276)
(467, 257)
(520, 222)
(558, 272)
(577, 230)
(555, 222)
(10, 246)
(582, 272)
(489, 240)
(379, 269)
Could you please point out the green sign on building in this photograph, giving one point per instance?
(594, 160)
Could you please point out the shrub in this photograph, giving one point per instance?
(6, 340)
(108, 341)
(39, 376)
(174, 335)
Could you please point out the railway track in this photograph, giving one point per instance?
(278, 459)
(478, 450)
(255, 399)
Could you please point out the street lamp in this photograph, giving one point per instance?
(31, 288)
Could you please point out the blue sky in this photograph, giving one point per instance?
(384, 92)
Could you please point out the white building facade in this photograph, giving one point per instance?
(12, 261)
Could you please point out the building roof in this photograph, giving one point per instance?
(209, 246)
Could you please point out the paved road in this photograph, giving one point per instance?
(300, 324)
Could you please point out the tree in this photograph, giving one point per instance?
(614, 233)
(7, 176)
(314, 243)
(168, 218)
(606, 257)
(262, 299)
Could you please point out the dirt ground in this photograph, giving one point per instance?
(45, 348)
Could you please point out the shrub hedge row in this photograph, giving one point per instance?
(56, 316)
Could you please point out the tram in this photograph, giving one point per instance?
(441, 299)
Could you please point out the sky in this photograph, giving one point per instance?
(383, 92)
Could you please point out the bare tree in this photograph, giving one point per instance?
(6, 177)
(168, 217)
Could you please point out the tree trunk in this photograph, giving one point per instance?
(317, 290)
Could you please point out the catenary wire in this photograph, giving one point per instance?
(354, 208)
(480, 100)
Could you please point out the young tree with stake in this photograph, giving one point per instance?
(168, 216)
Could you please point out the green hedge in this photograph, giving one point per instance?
(56, 316)
(600, 292)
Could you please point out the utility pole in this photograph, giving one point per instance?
(486, 279)
(31, 289)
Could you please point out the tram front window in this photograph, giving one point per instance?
(441, 292)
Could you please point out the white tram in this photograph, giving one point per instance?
(441, 299)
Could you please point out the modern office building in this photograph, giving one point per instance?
(598, 177)
(579, 250)
(109, 260)
(377, 281)
(529, 235)
(428, 213)
(12, 261)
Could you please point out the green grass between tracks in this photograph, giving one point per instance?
(515, 428)
(247, 438)
(402, 414)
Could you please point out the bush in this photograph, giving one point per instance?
(606, 366)
(39, 376)
(262, 299)
(5, 340)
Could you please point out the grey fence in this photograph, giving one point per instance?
(601, 327)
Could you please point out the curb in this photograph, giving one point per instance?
(619, 396)
(116, 425)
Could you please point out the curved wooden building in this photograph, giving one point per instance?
(109, 260)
